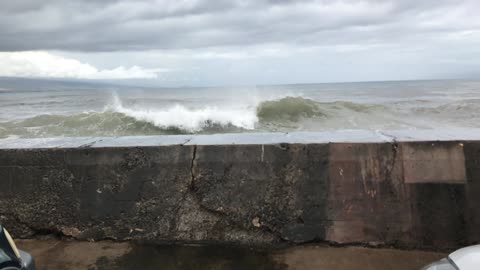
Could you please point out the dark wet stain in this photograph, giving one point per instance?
(190, 257)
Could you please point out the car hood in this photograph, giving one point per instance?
(466, 258)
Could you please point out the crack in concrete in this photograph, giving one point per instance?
(389, 169)
(220, 214)
(191, 186)
(187, 141)
(269, 229)
(90, 144)
(37, 231)
(394, 139)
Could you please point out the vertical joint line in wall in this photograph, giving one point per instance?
(263, 152)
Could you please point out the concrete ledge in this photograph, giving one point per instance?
(341, 136)
(346, 187)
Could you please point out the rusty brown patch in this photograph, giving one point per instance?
(367, 198)
(433, 162)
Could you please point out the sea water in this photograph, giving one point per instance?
(42, 108)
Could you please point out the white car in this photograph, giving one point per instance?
(463, 259)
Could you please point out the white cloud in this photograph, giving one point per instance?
(48, 65)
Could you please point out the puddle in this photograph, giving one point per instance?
(190, 257)
(108, 255)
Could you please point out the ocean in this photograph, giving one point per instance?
(42, 108)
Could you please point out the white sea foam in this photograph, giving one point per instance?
(188, 119)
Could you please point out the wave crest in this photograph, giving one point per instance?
(288, 108)
(296, 108)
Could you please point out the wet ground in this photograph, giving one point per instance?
(72, 255)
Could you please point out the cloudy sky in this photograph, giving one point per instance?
(240, 42)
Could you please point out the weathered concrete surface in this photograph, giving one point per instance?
(392, 192)
(107, 255)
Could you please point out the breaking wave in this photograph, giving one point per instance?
(120, 120)
(189, 119)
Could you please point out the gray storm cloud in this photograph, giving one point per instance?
(237, 42)
(115, 25)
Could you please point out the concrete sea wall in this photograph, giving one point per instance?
(408, 189)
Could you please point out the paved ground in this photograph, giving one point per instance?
(54, 254)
